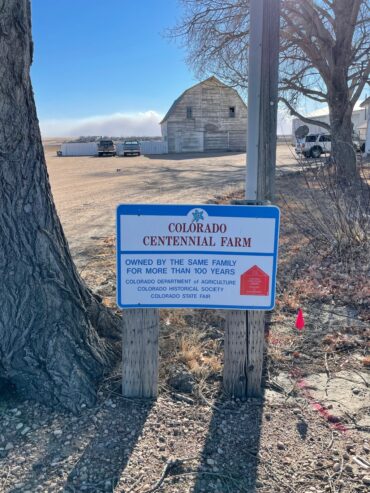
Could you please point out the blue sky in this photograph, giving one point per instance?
(104, 67)
(96, 58)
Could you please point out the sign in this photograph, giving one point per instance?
(255, 281)
(197, 256)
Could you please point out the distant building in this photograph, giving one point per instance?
(366, 106)
(359, 120)
(209, 116)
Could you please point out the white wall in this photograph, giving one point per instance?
(153, 147)
(314, 129)
(367, 144)
(147, 147)
(358, 118)
(79, 149)
(367, 141)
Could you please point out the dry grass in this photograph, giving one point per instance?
(189, 343)
(201, 358)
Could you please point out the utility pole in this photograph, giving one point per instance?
(262, 99)
(244, 332)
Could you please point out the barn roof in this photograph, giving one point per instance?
(210, 79)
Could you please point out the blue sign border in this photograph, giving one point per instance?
(250, 211)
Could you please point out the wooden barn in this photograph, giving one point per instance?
(209, 116)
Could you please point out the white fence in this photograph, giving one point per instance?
(147, 147)
(91, 148)
(79, 149)
(153, 147)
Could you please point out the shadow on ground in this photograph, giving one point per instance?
(104, 460)
(182, 156)
(229, 459)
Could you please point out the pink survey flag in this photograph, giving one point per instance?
(299, 323)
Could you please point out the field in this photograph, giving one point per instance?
(309, 433)
(87, 189)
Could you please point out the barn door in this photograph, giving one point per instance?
(216, 141)
(178, 142)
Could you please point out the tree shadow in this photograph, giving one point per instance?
(34, 446)
(106, 446)
(183, 156)
(210, 181)
(229, 458)
(65, 452)
(105, 458)
(7, 391)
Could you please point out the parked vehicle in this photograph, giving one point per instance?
(131, 147)
(106, 148)
(313, 145)
(358, 144)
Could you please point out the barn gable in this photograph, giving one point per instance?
(208, 116)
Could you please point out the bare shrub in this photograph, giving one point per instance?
(327, 210)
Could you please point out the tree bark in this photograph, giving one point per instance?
(342, 150)
(52, 328)
(340, 111)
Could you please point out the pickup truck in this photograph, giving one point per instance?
(106, 148)
(131, 147)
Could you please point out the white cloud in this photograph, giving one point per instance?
(117, 125)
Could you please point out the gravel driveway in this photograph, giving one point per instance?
(88, 189)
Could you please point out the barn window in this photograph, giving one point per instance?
(189, 112)
(232, 111)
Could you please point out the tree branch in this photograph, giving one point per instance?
(306, 91)
(364, 80)
(309, 121)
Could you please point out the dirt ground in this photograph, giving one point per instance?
(88, 189)
(309, 433)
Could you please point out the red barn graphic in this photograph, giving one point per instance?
(254, 282)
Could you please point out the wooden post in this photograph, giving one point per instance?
(244, 333)
(140, 353)
(235, 350)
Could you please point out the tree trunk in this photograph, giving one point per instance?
(343, 152)
(52, 328)
(340, 110)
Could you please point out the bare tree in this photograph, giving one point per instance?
(324, 56)
(56, 338)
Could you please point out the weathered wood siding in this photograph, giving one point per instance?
(210, 126)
